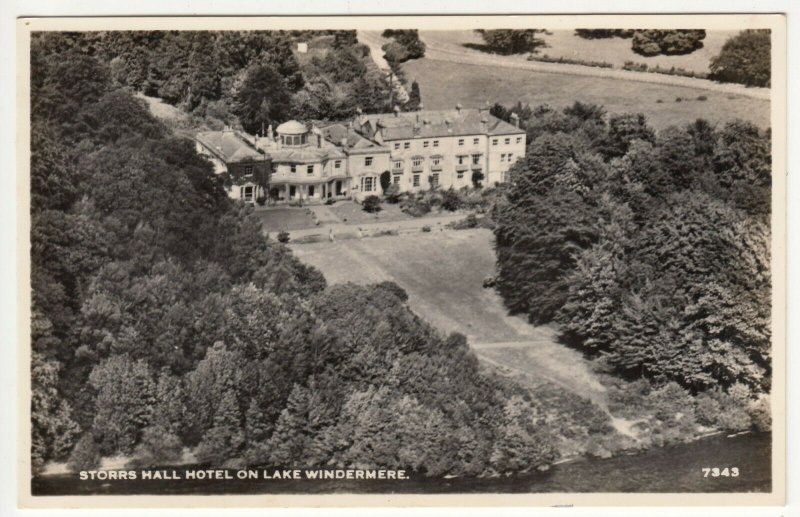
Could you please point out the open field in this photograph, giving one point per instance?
(443, 83)
(443, 273)
(564, 43)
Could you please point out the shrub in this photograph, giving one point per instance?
(720, 410)
(760, 413)
(565, 60)
(392, 194)
(667, 42)
(158, 447)
(261, 200)
(702, 98)
(426, 228)
(330, 201)
(283, 237)
(415, 206)
(659, 101)
(85, 455)
(451, 200)
(678, 99)
(745, 59)
(371, 204)
(512, 41)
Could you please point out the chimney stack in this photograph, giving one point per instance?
(515, 119)
(343, 143)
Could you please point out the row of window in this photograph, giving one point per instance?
(461, 142)
(506, 141)
(436, 161)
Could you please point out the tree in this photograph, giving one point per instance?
(408, 40)
(624, 129)
(513, 41)
(124, 402)
(53, 430)
(653, 42)
(55, 183)
(745, 59)
(262, 99)
(414, 98)
(344, 39)
(386, 180)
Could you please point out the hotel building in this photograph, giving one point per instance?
(415, 150)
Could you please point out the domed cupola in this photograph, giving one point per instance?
(292, 134)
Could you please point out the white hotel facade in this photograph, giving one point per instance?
(419, 150)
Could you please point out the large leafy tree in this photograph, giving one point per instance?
(744, 58)
(262, 99)
(513, 41)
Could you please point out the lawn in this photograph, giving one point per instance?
(284, 218)
(442, 272)
(350, 212)
(444, 83)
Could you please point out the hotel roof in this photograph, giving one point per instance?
(427, 124)
(228, 146)
(337, 132)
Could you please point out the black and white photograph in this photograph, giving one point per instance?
(501, 257)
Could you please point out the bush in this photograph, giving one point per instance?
(451, 200)
(415, 205)
(667, 42)
(426, 228)
(702, 98)
(371, 204)
(760, 414)
(330, 201)
(158, 447)
(512, 41)
(392, 194)
(85, 455)
(720, 410)
(565, 60)
(678, 99)
(283, 237)
(744, 59)
(261, 200)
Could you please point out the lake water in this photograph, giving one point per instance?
(676, 468)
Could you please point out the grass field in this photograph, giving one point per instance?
(443, 273)
(350, 212)
(564, 43)
(284, 219)
(443, 83)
